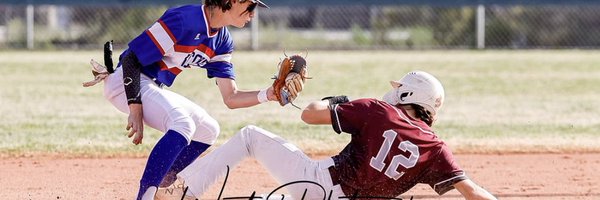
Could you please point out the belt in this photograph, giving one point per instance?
(155, 80)
(334, 176)
(158, 83)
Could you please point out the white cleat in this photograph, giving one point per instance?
(174, 191)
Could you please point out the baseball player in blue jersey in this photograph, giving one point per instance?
(184, 37)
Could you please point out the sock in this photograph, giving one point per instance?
(185, 158)
(160, 160)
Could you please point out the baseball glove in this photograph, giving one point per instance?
(99, 71)
(289, 82)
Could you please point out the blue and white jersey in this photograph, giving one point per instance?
(182, 38)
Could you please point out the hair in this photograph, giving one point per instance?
(423, 114)
(223, 4)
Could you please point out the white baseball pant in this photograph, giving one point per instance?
(164, 110)
(283, 160)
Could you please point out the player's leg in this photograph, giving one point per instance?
(283, 160)
(159, 162)
(288, 164)
(194, 116)
(207, 131)
(162, 112)
(185, 157)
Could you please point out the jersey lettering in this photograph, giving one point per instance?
(378, 164)
(194, 58)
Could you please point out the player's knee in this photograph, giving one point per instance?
(247, 135)
(181, 122)
(213, 128)
(254, 137)
(207, 130)
(250, 131)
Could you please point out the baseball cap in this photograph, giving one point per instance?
(417, 87)
(260, 3)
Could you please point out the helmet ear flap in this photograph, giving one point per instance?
(391, 97)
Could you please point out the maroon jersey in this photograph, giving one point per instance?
(389, 152)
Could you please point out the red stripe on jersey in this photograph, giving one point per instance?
(164, 26)
(175, 70)
(185, 49)
(162, 51)
(208, 51)
(188, 49)
(163, 65)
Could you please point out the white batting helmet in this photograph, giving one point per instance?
(417, 87)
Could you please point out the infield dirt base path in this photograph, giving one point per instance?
(511, 176)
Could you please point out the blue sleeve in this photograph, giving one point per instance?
(158, 39)
(221, 65)
(220, 70)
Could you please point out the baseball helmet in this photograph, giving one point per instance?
(260, 3)
(417, 87)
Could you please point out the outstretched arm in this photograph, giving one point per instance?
(234, 98)
(472, 191)
(317, 113)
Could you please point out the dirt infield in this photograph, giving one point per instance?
(512, 176)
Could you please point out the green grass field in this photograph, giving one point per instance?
(496, 101)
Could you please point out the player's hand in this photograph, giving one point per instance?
(295, 84)
(135, 124)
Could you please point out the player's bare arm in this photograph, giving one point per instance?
(234, 98)
(317, 113)
(472, 191)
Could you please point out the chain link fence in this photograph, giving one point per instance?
(331, 27)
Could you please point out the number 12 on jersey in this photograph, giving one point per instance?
(406, 162)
